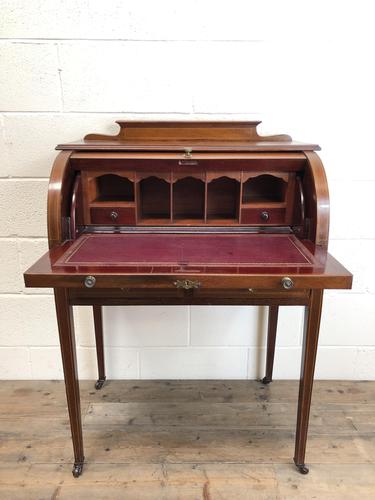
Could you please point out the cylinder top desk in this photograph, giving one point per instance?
(188, 213)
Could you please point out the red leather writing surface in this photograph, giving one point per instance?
(109, 250)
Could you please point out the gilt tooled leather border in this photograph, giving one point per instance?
(66, 259)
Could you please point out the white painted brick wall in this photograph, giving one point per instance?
(72, 67)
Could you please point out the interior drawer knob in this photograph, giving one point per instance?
(113, 215)
(90, 281)
(187, 284)
(287, 283)
(264, 215)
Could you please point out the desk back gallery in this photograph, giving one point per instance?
(188, 213)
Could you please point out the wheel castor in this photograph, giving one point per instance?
(99, 383)
(266, 380)
(77, 469)
(302, 468)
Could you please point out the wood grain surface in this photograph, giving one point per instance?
(187, 440)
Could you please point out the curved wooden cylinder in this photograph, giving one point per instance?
(316, 200)
(59, 197)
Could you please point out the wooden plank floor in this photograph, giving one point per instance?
(187, 440)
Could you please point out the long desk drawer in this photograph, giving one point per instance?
(137, 296)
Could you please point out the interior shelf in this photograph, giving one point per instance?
(263, 189)
(111, 187)
(263, 203)
(110, 203)
(223, 198)
(188, 198)
(155, 198)
(177, 198)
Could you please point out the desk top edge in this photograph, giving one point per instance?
(193, 135)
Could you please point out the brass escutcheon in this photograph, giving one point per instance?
(187, 284)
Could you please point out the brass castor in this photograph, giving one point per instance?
(77, 469)
(302, 468)
(99, 383)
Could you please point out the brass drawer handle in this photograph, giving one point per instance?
(90, 281)
(113, 215)
(187, 284)
(287, 283)
(265, 215)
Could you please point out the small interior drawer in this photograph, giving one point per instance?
(263, 216)
(112, 215)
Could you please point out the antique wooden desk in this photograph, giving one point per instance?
(188, 213)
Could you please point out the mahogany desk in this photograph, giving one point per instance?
(188, 213)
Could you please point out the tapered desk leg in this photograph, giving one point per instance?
(309, 349)
(273, 314)
(65, 323)
(98, 324)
